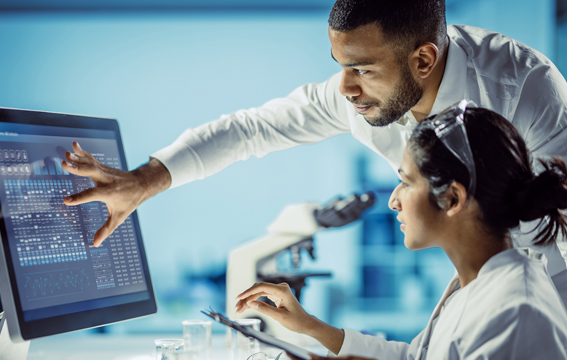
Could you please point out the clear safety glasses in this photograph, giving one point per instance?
(449, 127)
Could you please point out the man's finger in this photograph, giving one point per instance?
(85, 196)
(76, 158)
(87, 169)
(79, 150)
(100, 236)
(105, 231)
(113, 222)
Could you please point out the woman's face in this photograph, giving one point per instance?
(421, 221)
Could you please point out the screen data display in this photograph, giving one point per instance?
(58, 271)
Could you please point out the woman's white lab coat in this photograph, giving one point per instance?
(510, 311)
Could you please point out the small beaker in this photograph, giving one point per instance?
(167, 349)
(242, 346)
(197, 339)
(258, 356)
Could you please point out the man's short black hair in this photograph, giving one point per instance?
(407, 24)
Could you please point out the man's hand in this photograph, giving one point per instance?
(287, 312)
(121, 191)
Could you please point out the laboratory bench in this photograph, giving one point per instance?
(92, 346)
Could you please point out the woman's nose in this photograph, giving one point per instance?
(394, 202)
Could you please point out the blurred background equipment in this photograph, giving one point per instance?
(290, 234)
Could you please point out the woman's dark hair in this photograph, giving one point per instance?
(507, 190)
(407, 24)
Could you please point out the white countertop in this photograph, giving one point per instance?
(91, 346)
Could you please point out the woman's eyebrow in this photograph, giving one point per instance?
(401, 172)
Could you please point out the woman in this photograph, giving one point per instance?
(464, 187)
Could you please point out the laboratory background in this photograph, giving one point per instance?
(161, 66)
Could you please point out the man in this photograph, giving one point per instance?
(401, 63)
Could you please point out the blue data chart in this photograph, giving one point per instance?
(102, 268)
(56, 283)
(49, 166)
(46, 231)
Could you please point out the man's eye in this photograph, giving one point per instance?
(361, 72)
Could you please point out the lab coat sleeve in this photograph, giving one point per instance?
(521, 332)
(311, 113)
(357, 344)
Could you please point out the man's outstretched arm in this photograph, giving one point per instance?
(311, 113)
(121, 191)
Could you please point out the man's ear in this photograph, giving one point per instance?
(423, 59)
(456, 199)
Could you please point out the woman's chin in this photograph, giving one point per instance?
(413, 245)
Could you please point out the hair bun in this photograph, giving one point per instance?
(545, 193)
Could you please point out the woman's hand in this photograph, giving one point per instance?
(287, 312)
(290, 314)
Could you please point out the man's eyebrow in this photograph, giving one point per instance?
(354, 64)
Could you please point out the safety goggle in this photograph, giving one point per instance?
(449, 127)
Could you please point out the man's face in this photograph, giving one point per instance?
(374, 81)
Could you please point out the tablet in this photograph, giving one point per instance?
(52, 279)
(260, 336)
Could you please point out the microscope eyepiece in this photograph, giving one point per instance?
(340, 212)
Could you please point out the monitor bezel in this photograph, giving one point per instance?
(27, 330)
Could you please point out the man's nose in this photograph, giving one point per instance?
(349, 86)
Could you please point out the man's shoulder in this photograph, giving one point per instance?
(486, 45)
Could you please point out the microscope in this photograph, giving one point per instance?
(292, 231)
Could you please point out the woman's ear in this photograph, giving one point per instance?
(456, 199)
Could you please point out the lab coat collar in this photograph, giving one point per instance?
(502, 258)
(453, 84)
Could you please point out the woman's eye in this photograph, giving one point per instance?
(403, 183)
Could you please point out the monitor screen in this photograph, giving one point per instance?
(57, 277)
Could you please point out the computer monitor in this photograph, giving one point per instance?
(52, 279)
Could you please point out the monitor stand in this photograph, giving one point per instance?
(9, 350)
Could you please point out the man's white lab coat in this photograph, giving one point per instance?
(493, 70)
(510, 311)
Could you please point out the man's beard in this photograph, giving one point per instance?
(406, 94)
